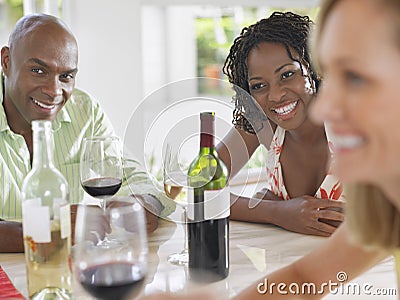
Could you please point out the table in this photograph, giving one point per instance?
(255, 250)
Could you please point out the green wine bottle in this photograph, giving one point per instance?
(208, 209)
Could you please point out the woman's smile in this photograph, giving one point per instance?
(347, 141)
(285, 111)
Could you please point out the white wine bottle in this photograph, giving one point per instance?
(208, 209)
(46, 222)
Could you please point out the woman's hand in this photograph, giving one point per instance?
(310, 215)
(266, 194)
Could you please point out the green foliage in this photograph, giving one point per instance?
(154, 168)
(209, 50)
(15, 9)
(14, 3)
(258, 159)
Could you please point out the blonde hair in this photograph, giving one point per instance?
(370, 216)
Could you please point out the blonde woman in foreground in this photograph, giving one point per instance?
(358, 50)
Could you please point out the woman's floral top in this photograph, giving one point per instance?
(330, 188)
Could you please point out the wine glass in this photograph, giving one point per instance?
(175, 187)
(115, 272)
(101, 167)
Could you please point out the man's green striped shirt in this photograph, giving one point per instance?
(81, 117)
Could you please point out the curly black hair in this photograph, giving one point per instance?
(286, 28)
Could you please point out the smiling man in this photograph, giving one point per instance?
(39, 65)
(38, 82)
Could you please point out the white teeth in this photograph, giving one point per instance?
(347, 141)
(43, 105)
(284, 110)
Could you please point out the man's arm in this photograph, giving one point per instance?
(153, 209)
(11, 237)
(138, 182)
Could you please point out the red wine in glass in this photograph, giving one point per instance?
(101, 167)
(118, 270)
(103, 186)
(114, 280)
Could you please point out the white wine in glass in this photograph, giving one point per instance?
(175, 187)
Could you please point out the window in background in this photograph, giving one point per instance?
(51, 7)
(10, 12)
(216, 28)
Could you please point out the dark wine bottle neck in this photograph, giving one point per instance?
(206, 141)
(207, 130)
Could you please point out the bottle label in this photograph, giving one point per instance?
(65, 221)
(215, 204)
(36, 220)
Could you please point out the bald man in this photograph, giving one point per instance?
(38, 82)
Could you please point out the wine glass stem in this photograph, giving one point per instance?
(185, 229)
(103, 203)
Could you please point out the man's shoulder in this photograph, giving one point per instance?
(79, 108)
(80, 100)
(81, 96)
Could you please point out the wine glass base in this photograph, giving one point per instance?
(179, 259)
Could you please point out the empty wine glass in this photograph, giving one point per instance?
(175, 187)
(118, 271)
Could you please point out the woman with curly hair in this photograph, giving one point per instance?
(270, 67)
